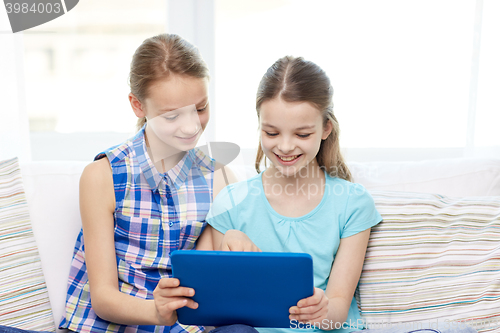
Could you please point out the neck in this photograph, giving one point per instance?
(163, 156)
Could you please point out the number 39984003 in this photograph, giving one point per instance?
(33, 8)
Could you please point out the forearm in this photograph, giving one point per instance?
(114, 306)
(338, 308)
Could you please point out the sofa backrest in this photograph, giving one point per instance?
(51, 190)
(52, 193)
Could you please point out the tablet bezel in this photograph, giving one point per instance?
(252, 288)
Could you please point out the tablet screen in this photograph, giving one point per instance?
(252, 288)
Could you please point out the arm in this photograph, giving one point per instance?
(97, 204)
(333, 305)
(223, 176)
(233, 240)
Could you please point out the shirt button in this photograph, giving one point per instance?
(171, 224)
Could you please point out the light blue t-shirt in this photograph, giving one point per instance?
(345, 210)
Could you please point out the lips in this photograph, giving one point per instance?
(289, 158)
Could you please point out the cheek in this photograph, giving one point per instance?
(162, 127)
(314, 147)
(204, 118)
(266, 145)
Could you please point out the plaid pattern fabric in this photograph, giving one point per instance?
(155, 214)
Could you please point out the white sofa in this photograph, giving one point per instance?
(52, 194)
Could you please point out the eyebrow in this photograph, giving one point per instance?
(297, 129)
(204, 101)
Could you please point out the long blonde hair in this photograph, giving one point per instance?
(158, 57)
(294, 79)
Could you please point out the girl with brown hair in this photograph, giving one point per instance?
(304, 200)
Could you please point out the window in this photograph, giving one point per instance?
(400, 70)
(76, 75)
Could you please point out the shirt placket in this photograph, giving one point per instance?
(170, 216)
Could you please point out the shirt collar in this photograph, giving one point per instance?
(174, 177)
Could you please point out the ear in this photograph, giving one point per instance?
(136, 106)
(327, 129)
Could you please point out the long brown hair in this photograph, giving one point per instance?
(158, 57)
(294, 79)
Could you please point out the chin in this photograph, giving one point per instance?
(287, 171)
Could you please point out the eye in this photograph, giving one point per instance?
(303, 135)
(271, 134)
(202, 109)
(171, 117)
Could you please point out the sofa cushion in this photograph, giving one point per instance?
(24, 301)
(457, 177)
(433, 258)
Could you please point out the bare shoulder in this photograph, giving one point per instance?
(223, 176)
(97, 172)
(96, 181)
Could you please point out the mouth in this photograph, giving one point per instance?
(289, 158)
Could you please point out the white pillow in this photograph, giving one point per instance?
(52, 195)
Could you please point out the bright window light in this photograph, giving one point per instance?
(400, 69)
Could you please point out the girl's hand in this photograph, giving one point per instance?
(169, 297)
(235, 240)
(312, 309)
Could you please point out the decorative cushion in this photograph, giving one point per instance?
(24, 302)
(433, 259)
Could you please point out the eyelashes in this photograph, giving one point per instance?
(175, 117)
(303, 136)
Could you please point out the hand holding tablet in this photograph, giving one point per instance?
(170, 296)
(252, 288)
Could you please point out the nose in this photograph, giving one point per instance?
(191, 124)
(286, 145)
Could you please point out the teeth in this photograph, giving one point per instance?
(288, 159)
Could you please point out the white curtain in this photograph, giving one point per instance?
(483, 136)
(14, 127)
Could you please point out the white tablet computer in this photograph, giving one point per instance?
(252, 288)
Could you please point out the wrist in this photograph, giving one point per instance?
(163, 318)
(336, 315)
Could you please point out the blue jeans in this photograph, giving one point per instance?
(234, 329)
(222, 329)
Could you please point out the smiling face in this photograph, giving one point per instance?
(177, 112)
(291, 134)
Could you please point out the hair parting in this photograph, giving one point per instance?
(159, 57)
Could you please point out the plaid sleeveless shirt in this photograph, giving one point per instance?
(155, 214)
